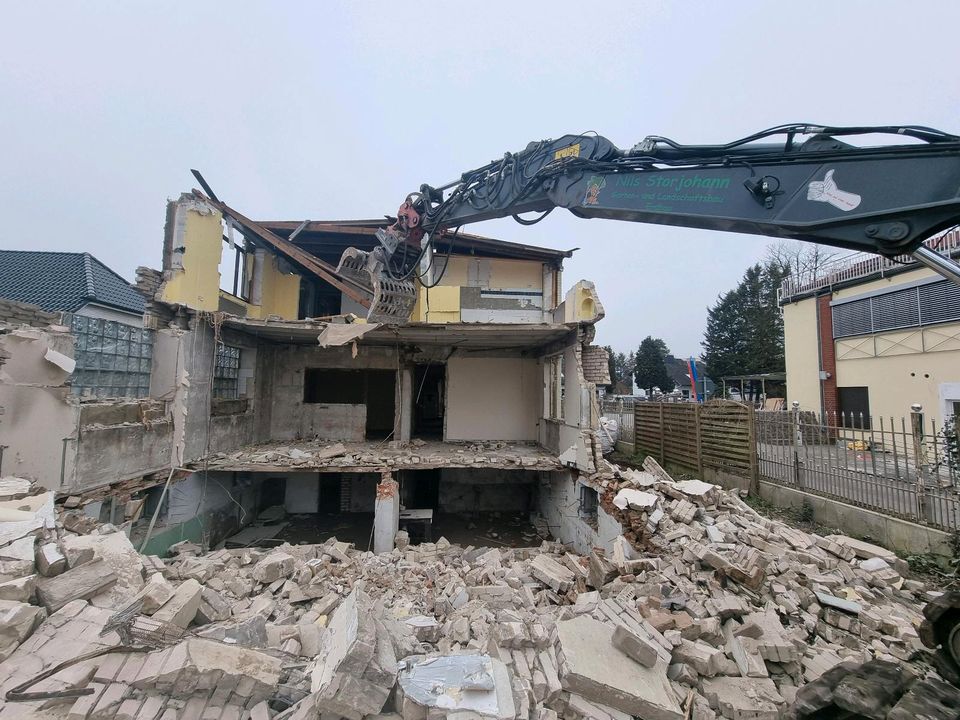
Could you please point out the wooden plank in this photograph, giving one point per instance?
(725, 442)
(81, 582)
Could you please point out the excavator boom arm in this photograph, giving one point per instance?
(885, 199)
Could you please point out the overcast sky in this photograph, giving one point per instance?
(336, 110)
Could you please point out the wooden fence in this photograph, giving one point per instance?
(718, 435)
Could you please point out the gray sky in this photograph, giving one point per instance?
(336, 110)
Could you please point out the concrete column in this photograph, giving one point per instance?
(386, 518)
(405, 407)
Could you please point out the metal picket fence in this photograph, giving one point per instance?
(906, 467)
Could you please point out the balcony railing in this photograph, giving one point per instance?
(862, 265)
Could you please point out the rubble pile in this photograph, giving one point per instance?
(702, 609)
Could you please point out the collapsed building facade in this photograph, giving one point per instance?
(267, 389)
(267, 395)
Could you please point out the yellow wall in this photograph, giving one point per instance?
(893, 365)
(896, 365)
(465, 271)
(197, 283)
(884, 283)
(280, 294)
(198, 229)
(802, 353)
(440, 304)
(503, 274)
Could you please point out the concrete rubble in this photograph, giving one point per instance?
(702, 609)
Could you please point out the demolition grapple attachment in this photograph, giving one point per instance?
(393, 299)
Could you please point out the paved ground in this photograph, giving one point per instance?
(871, 479)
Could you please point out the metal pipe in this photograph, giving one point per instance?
(948, 267)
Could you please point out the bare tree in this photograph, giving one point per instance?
(806, 261)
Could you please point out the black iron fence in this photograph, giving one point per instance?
(907, 467)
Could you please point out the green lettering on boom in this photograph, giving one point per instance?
(676, 182)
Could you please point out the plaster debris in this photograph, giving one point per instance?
(700, 608)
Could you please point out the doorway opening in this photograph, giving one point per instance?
(380, 391)
(428, 401)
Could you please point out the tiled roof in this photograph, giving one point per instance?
(64, 281)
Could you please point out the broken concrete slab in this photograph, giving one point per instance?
(13, 488)
(635, 500)
(742, 698)
(207, 664)
(213, 608)
(347, 679)
(274, 566)
(181, 608)
(17, 622)
(20, 550)
(50, 561)
(20, 589)
(848, 606)
(116, 550)
(594, 668)
(550, 572)
(77, 583)
(156, 591)
(865, 551)
(635, 647)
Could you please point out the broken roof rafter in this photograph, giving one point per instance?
(303, 259)
(463, 242)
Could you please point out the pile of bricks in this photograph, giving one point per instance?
(702, 608)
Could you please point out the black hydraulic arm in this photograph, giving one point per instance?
(883, 199)
(803, 182)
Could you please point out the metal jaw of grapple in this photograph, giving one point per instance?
(393, 300)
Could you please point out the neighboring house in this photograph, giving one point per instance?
(679, 371)
(71, 282)
(265, 374)
(875, 336)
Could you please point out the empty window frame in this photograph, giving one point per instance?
(589, 501)
(323, 385)
(236, 262)
(226, 372)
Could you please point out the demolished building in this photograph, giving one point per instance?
(665, 599)
(267, 389)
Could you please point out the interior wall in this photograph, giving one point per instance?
(360, 490)
(559, 501)
(493, 398)
(478, 289)
(38, 412)
(466, 490)
(203, 508)
(302, 493)
(283, 414)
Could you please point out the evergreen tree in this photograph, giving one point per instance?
(611, 365)
(650, 368)
(744, 333)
